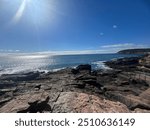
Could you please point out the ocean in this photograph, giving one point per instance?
(17, 63)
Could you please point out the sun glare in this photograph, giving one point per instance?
(32, 12)
(28, 0)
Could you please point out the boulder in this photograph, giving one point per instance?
(86, 67)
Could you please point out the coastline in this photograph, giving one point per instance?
(121, 89)
(23, 63)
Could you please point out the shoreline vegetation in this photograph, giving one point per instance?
(125, 88)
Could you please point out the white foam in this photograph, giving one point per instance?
(55, 70)
(19, 68)
(101, 65)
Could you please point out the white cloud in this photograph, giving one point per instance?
(9, 51)
(126, 45)
(17, 50)
(118, 47)
(74, 52)
(110, 48)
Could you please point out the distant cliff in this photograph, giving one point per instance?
(135, 51)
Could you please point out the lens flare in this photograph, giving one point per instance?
(31, 12)
(20, 12)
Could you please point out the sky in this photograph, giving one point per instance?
(79, 26)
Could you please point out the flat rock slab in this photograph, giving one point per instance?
(23, 103)
(131, 101)
(146, 95)
(72, 102)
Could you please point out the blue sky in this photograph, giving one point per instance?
(81, 26)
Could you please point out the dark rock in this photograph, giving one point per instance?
(80, 68)
(109, 88)
(123, 83)
(20, 77)
(85, 77)
(79, 84)
(124, 63)
(138, 81)
(75, 71)
(84, 67)
(94, 73)
(138, 110)
(89, 79)
(92, 82)
(38, 106)
(5, 100)
(38, 87)
(6, 85)
(109, 73)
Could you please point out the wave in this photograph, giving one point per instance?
(100, 65)
(23, 69)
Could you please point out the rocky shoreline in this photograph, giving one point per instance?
(123, 89)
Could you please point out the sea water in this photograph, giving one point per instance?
(16, 63)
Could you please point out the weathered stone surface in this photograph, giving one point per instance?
(6, 84)
(84, 103)
(33, 102)
(146, 95)
(145, 61)
(131, 101)
(4, 100)
(123, 63)
(138, 110)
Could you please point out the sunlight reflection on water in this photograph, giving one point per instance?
(16, 63)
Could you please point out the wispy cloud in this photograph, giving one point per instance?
(118, 45)
(125, 45)
(109, 48)
(73, 52)
(7, 51)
